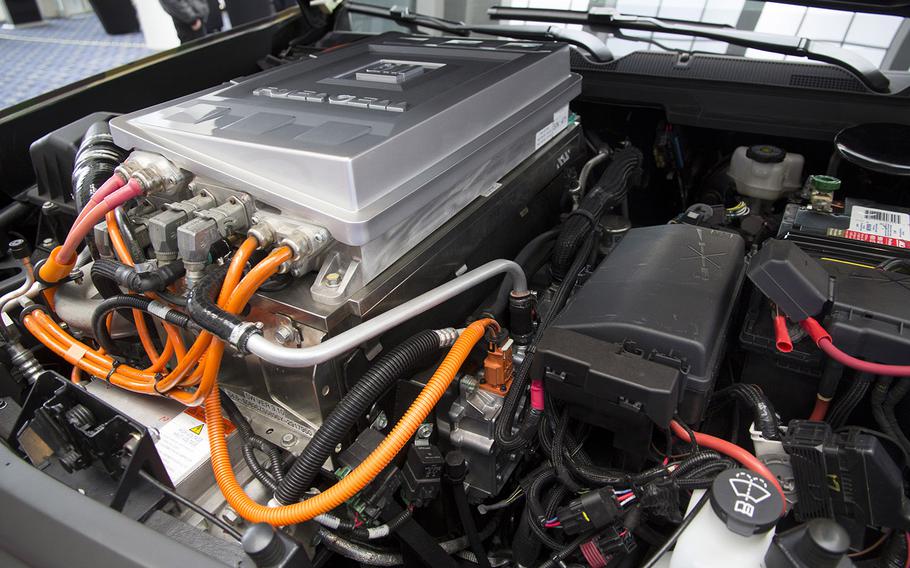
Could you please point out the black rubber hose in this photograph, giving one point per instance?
(763, 413)
(200, 303)
(131, 302)
(524, 256)
(503, 435)
(95, 162)
(139, 282)
(409, 356)
(623, 173)
(108, 288)
(845, 405)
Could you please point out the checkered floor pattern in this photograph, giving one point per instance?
(36, 60)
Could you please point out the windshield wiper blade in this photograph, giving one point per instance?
(608, 19)
(582, 39)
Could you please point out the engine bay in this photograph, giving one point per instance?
(418, 300)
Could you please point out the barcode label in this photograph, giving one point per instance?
(879, 223)
(884, 216)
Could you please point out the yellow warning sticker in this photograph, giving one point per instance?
(197, 429)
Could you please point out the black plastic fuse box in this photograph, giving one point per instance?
(665, 295)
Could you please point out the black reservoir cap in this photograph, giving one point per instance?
(746, 502)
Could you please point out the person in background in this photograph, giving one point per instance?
(189, 17)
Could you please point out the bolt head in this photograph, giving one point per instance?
(332, 279)
(425, 431)
(284, 335)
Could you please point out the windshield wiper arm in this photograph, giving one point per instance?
(608, 19)
(582, 39)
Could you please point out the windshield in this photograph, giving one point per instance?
(882, 39)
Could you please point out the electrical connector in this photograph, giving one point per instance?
(598, 551)
(593, 510)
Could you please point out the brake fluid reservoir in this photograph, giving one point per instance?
(735, 528)
(766, 172)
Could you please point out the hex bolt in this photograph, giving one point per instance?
(332, 279)
(284, 334)
(381, 421)
(288, 440)
(47, 243)
(425, 431)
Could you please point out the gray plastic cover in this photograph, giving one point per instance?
(354, 138)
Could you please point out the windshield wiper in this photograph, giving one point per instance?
(608, 20)
(582, 39)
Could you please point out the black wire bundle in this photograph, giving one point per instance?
(505, 438)
(847, 403)
(752, 397)
(250, 442)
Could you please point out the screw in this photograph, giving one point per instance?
(47, 243)
(2, 404)
(425, 431)
(284, 334)
(49, 207)
(288, 440)
(332, 279)
(381, 421)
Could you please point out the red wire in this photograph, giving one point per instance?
(823, 339)
(732, 450)
(820, 410)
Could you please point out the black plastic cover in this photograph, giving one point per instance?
(870, 317)
(665, 293)
(849, 476)
(604, 378)
(790, 278)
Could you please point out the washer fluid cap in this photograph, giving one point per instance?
(746, 502)
(766, 154)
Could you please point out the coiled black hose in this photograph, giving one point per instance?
(132, 302)
(623, 173)
(95, 162)
(139, 282)
(409, 356)
(765, 417)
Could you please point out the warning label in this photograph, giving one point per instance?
(880, 227)
(184, 445)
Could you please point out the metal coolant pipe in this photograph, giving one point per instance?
(319, 353)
